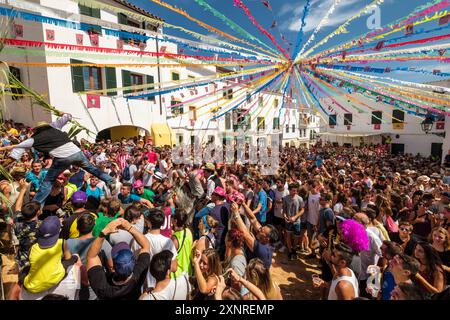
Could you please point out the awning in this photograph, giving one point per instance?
(162, 135)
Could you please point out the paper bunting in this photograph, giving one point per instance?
(94, 38)
(444, 20)
(267, 4)
(409, 29)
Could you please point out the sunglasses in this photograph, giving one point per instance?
(406, 230)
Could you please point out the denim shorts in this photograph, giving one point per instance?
(293, 227)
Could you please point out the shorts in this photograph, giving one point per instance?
(278, 221)
(293, 227)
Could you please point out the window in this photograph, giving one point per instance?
(287, 128)
(228, 94)
(261, 124)
(85, 78)
(293, 128)
(16, 73)
(275, 103)
(348, 119)
(180, 138)
(376, 117)
(130, 79)
(175, 76)
(111, 81)
(91, 12)
(276, 123)
(260, 102)
(398, 116)
(176, 111)
(227, 121)
(332, 120)
(193, 113)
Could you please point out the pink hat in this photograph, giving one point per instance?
(236, 196)
(138, 184)
(220, 192)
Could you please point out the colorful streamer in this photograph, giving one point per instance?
(306, 9)
(240, 4)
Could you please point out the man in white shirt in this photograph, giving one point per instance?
(312, 217)
(368, 257)
(165, 287)
(158, 242)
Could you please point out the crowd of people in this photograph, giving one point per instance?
(121, 220)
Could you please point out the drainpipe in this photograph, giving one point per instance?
(159, 73)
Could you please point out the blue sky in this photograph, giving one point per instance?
(288, 13)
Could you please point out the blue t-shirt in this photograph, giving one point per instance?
(78, 178)
(261, 251)
(325, 214)
(387, 286)
(130, 199)
(262, 199)
(97, 193)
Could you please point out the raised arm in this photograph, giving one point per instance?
(23, 189)
(61, 122)
(248, 237)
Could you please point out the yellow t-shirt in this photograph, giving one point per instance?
(13, 131)
(46, 268)
(71, 189)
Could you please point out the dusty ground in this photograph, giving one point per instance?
(295, 277)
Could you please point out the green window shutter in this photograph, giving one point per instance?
(85, 10)
(126, 81)
(95, 13)
(111, 81)
(77, 77)
(148, 80)
(122, 19)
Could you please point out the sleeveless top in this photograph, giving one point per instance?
(46, 267)
(332, 294)
(185, 241)
(195, 186)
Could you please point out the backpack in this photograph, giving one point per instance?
(126, 173)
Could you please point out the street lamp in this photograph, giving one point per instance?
(427, 124)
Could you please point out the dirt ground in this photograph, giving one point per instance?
(295, 277)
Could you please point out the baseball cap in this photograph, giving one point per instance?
(138, 184)
(48, 232)
(79, 196)
(123, 259)
(210, 167)
(220, 192)
(159, 176)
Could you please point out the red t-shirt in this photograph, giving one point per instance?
(152, 156)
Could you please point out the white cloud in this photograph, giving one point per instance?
(318, 10)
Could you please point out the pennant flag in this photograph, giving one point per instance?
(361, 42)
(18, 30)
(181, 94)
(377, 126)
(93, 101)
(50, 35)
(267, 4)
(79, 39)
(181, 50)
(163, 49)
(274, 24)
(283, 37)
(379, 45)
(94, 39)
(444, 20)
(409, 29)
(440, 125)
